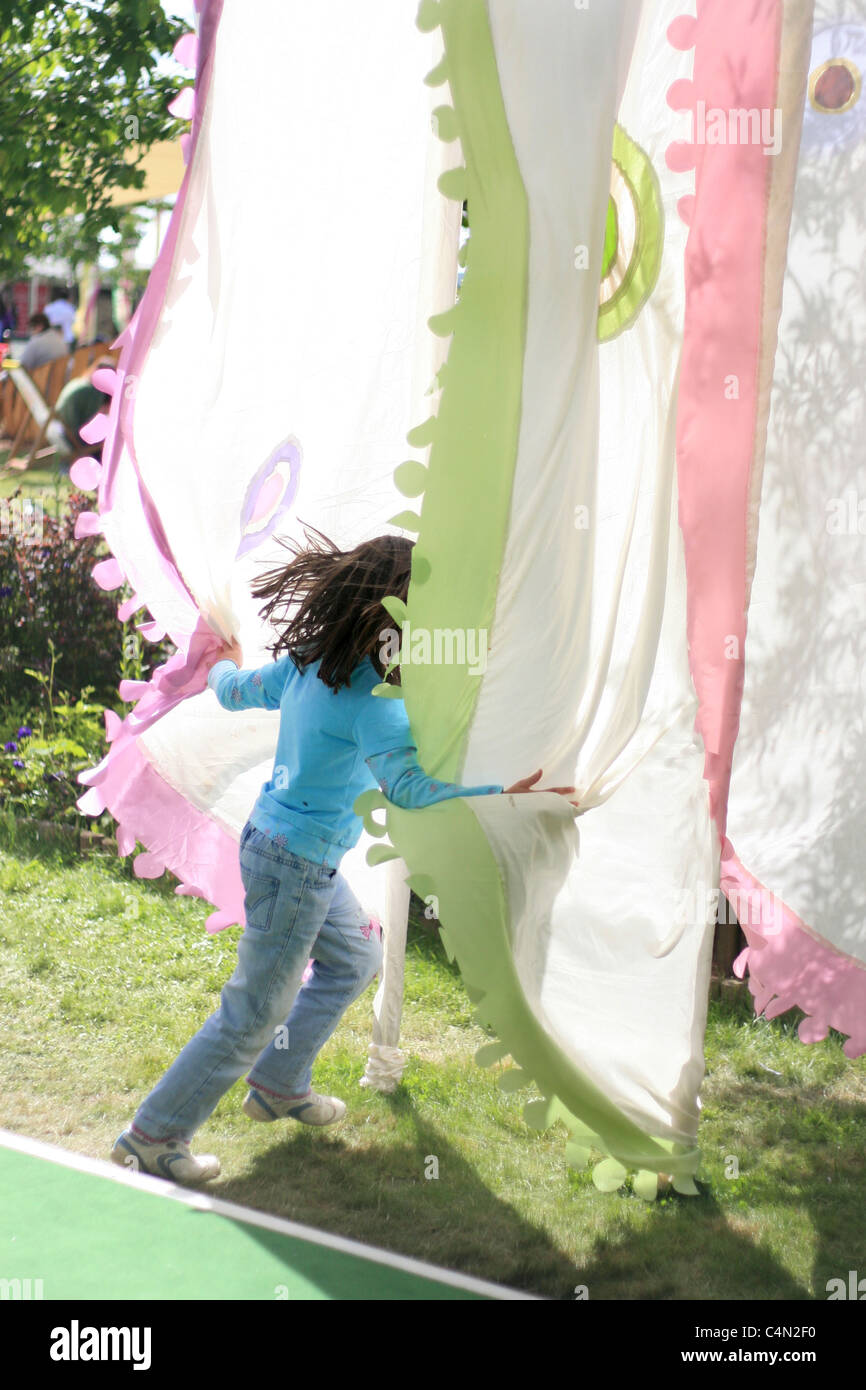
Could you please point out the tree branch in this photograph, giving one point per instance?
(34, 58)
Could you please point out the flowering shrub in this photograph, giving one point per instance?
(40, 761)
(47, 594)
(59, 633)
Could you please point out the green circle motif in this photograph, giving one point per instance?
(611, 238)
(639, 276)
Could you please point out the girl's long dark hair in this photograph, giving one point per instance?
(326, 603)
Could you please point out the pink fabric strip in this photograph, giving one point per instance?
(176, 835)
(139, 335)
(735, 66)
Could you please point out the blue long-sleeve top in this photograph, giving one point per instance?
(331, 746)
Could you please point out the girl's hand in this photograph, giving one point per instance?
(230, 652)
(528, 785)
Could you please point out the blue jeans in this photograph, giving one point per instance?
(267, 1020)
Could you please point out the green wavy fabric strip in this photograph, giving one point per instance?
(463, 533)
(467, 499)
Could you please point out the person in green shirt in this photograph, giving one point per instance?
(77, 403)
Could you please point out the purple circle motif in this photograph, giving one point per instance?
(270, 495)
(835, 115)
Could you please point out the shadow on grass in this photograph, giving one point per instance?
(689, 1251)
(688, 1248)
(809, 1155)
(382, 1197)
(802, 1157)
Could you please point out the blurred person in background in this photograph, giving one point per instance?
(46, 344)
(77, 403)
(61, 315)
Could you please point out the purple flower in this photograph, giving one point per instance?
(10, 747)
(16, 762)
(25, 731)
(5, 590)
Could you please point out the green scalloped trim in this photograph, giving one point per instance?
(407, 521)
(410, 478)
(463, 528)
(365, 805)
(395, 608)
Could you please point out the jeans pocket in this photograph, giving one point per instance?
(261, 895)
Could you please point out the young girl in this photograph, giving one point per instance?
(336, 740)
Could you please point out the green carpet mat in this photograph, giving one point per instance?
(86, 1236)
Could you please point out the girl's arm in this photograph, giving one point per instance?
(382, 732)
(402, 779)
(261, 689)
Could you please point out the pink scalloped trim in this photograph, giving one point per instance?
(184, 674)
(183, 105)
(108, 574)
(127, 608)
(95, 430)
(105, 379)
(177, 836)
(791, 967)
(87, 524)
(85, 474)
(682, 32)
(185, 50)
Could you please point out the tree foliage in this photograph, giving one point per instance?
(79, 94)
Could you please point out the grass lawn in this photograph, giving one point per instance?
(104, 978)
